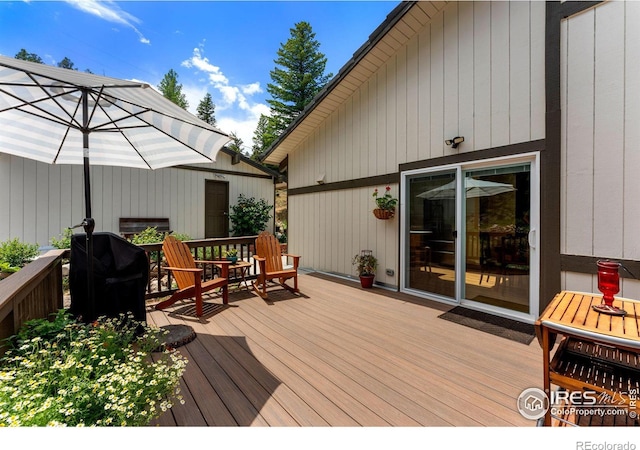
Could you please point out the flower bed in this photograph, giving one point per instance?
(66, 373)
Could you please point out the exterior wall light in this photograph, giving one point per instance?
(455, 141)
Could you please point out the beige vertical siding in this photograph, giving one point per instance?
(338, 224)
(475, 70)
(39, 200)
(600, 157)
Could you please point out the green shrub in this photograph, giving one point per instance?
(16, 253)
(181, 236)
(64, 240)
(149, 235)
(249, 216)
(68, 373)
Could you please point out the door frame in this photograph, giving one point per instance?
(533, 158)
(227, 188)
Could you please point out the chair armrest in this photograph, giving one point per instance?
(258, 258)
(296, 260)
(184, 269)
(221, 262)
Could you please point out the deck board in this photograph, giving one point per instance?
(338, 355)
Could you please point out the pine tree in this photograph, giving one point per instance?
(263, 136)
(236, 143)
(66, 63)
(297, 78)
(170, 88)
(25, 56)
(206, 110)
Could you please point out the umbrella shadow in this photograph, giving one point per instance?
(227, 383)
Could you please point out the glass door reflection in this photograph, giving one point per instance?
(497, 207)
(431, 265)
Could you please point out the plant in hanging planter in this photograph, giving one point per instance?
(386, 204)
(366, 265)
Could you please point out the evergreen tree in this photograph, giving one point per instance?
(170, 89)
(263, 136)
(236, 143)
(298, 75)
(297, 78)
(25, 56)
(206, 110)
(66, 64)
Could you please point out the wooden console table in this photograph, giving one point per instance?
(598, 352)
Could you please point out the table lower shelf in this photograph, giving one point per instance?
(611, 374)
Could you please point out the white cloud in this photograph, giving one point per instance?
(250, 89)
(109, 11)
(235, 111)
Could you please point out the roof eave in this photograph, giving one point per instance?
(392, 18)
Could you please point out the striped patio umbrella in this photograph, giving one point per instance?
(62, 116)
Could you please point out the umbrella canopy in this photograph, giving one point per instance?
(473, 188)
(61, 116)
(47, 114)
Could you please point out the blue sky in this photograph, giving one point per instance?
(226, 48)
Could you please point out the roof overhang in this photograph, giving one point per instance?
(404, 22)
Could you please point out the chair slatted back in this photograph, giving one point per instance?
(178, 254)
(268, 247)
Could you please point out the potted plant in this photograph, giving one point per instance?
(386, 204)
(231, 255)
(366, 265)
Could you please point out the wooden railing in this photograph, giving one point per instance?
(160, 279)
(34, 292)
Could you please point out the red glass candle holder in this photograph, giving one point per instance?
(609, 285)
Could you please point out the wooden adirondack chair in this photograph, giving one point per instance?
(269, 259)
(188, 275)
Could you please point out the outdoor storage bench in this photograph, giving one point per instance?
(133, 225)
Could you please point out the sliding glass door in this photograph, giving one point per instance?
(497, 224)
(431, 213)
(469, 234)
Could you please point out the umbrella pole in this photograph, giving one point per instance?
(88, 223)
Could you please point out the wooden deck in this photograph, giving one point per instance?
(338, 355)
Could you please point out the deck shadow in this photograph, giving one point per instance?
(222, 399)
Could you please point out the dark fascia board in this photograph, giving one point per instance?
(392, 18)
(251, 162)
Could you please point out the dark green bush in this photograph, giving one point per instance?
(17, 253)
(249, 216)
(64, 240)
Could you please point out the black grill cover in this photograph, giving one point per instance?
(121, 272)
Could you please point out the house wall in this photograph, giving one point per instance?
(600, 92)
(476, 70)
(38, 201)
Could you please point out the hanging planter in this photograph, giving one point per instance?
(386, 204)
(384, 214)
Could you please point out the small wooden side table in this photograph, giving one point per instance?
(591, 340)
(240, 270)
